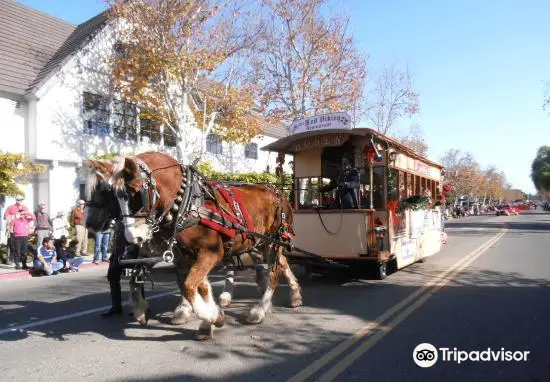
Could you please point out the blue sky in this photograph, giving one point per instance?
(480, 68)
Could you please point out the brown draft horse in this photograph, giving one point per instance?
(159, 181)
(103, 207)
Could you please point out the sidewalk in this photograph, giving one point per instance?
(9, 271)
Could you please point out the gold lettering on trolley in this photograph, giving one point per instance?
(326, 140)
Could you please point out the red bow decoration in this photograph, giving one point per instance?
(369, 153)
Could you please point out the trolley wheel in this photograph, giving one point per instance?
(382, 271)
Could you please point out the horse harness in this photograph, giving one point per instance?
(188, 209)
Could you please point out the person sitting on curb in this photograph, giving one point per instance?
(66, 255)
(46, 258)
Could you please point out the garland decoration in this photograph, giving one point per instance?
(415, 202)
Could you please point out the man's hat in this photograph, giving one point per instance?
(81, 201)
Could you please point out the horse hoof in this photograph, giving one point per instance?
(181, 316)
(296, 302)
(142, 320)
(225, 299)
(256, 316)
(220, 322)
(203, 336)
(205, 332)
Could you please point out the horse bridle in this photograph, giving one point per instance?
(149, 195)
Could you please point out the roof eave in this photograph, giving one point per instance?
(32, 92)
(282, 144)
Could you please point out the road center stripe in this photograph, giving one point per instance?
(367, 329)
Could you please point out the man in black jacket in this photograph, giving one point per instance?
(121, 248)
(348, 181)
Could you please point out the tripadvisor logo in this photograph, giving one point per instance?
(426, 355)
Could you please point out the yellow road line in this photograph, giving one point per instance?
(367, 329)
(337, 369)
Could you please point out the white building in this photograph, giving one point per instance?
(55, 106)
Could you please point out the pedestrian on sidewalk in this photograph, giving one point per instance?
(9, 215)
(78, 219)
(102, 245)
(45, 259)
(60, 226)
(43, 224)
(19, 231)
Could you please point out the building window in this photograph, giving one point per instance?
(170, 137)
(122, 50)
(149, 128)
(82, 191)
(124, 120)
(96, 114)
(214, 144)
(251, 151)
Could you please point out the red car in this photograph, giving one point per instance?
(507, 209)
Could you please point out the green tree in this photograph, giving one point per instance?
(540, 169)
(107, 156)
(208, 170)
(14, 169)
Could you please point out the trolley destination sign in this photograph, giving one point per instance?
(321, 122)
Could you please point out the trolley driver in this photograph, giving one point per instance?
(348, 181)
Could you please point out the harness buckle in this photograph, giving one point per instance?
(168, 256)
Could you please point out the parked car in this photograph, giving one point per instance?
(507, 209)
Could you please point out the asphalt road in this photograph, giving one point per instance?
(487, 288)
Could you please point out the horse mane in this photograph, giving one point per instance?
(91, 181)
(117, 180)
(92, 176)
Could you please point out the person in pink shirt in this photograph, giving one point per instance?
(9, 215)
(19, 219)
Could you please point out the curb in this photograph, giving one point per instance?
(27, 274)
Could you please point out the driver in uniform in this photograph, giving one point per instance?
(347, 183)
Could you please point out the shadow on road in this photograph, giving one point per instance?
(506, 290)
(297, 336)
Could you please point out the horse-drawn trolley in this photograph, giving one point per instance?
(362, 201)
